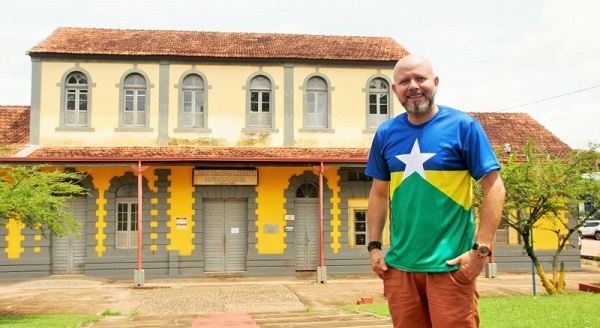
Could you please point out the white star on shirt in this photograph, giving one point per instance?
(414, 161)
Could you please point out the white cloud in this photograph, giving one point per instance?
(489, 55)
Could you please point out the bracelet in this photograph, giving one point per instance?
(374, 245)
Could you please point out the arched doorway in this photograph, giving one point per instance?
(307, 226)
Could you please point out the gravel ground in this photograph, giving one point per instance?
(87, 295)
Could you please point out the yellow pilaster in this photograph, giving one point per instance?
(333, 182)
(181, 190)
(14, 238)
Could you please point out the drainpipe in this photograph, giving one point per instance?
(138, 275)
(321, 269)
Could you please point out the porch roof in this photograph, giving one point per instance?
(171, 154)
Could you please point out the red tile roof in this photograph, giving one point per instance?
(208, 154)
(501, 128)
(14, 125)
(517, 129)
(94, 41)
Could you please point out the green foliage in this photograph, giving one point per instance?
(37, 197)
(132, 315)
(540, 188)
(110, 313)
(46, 321)
(575, 310)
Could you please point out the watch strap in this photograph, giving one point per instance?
(374, 245)
(476, 248)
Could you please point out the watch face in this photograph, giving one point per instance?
(483, 250)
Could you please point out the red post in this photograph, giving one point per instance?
(139, 169)
(321, 169)
(321, 228)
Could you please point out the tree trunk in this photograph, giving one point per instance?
(547, 283)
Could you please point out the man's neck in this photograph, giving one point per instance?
(418, 119)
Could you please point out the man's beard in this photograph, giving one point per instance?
(417, 107)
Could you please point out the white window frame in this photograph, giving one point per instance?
(260, 102)
(379, 99)
(317, 103)
(76, 100)
(126, 228)
(193, 102)
(135, 96)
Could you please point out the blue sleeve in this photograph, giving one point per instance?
(377, 167)
(479, 155)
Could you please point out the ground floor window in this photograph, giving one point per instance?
(126, 224)
(358, 229)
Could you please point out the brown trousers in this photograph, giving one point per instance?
(431, 300)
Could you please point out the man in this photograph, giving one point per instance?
(423, 163)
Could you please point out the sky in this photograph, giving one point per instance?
(541, 57)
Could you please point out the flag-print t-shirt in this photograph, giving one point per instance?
(430, 168)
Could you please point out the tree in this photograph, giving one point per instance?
(542, 191)
(37, 197)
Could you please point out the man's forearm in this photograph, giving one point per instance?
(491, 208)
(377, 209)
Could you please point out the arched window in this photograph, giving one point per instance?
(135, 91)
(307, 190)
(260, 104)
(126, 217)
(193, 113)
(317, 104)
(378, 106)
(76, 100)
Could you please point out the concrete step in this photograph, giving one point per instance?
(145, 321)
(329, 318)
(333, 318)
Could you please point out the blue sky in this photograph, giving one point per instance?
(541, 57)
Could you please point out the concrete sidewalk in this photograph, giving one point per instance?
(191, 298)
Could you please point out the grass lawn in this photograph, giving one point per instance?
(46, 321)
(575, 310)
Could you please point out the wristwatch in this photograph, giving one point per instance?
(482, 250)
(373, 245)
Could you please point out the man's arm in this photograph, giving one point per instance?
(376, 217)
(490, 213)
(492, 204)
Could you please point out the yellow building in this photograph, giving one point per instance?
(243, 153)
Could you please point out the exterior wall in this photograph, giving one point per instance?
(170, 250)
(226, 92)
(104, 79)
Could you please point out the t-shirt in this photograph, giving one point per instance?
(430, 168)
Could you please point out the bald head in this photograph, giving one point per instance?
(412, 61)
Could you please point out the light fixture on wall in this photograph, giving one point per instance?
(508, 148)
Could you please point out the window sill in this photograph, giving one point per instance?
(192, 130)
(323, 130)
(75, 129)
(259, 129)
(134, 129)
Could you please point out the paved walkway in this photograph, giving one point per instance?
(207, 298)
